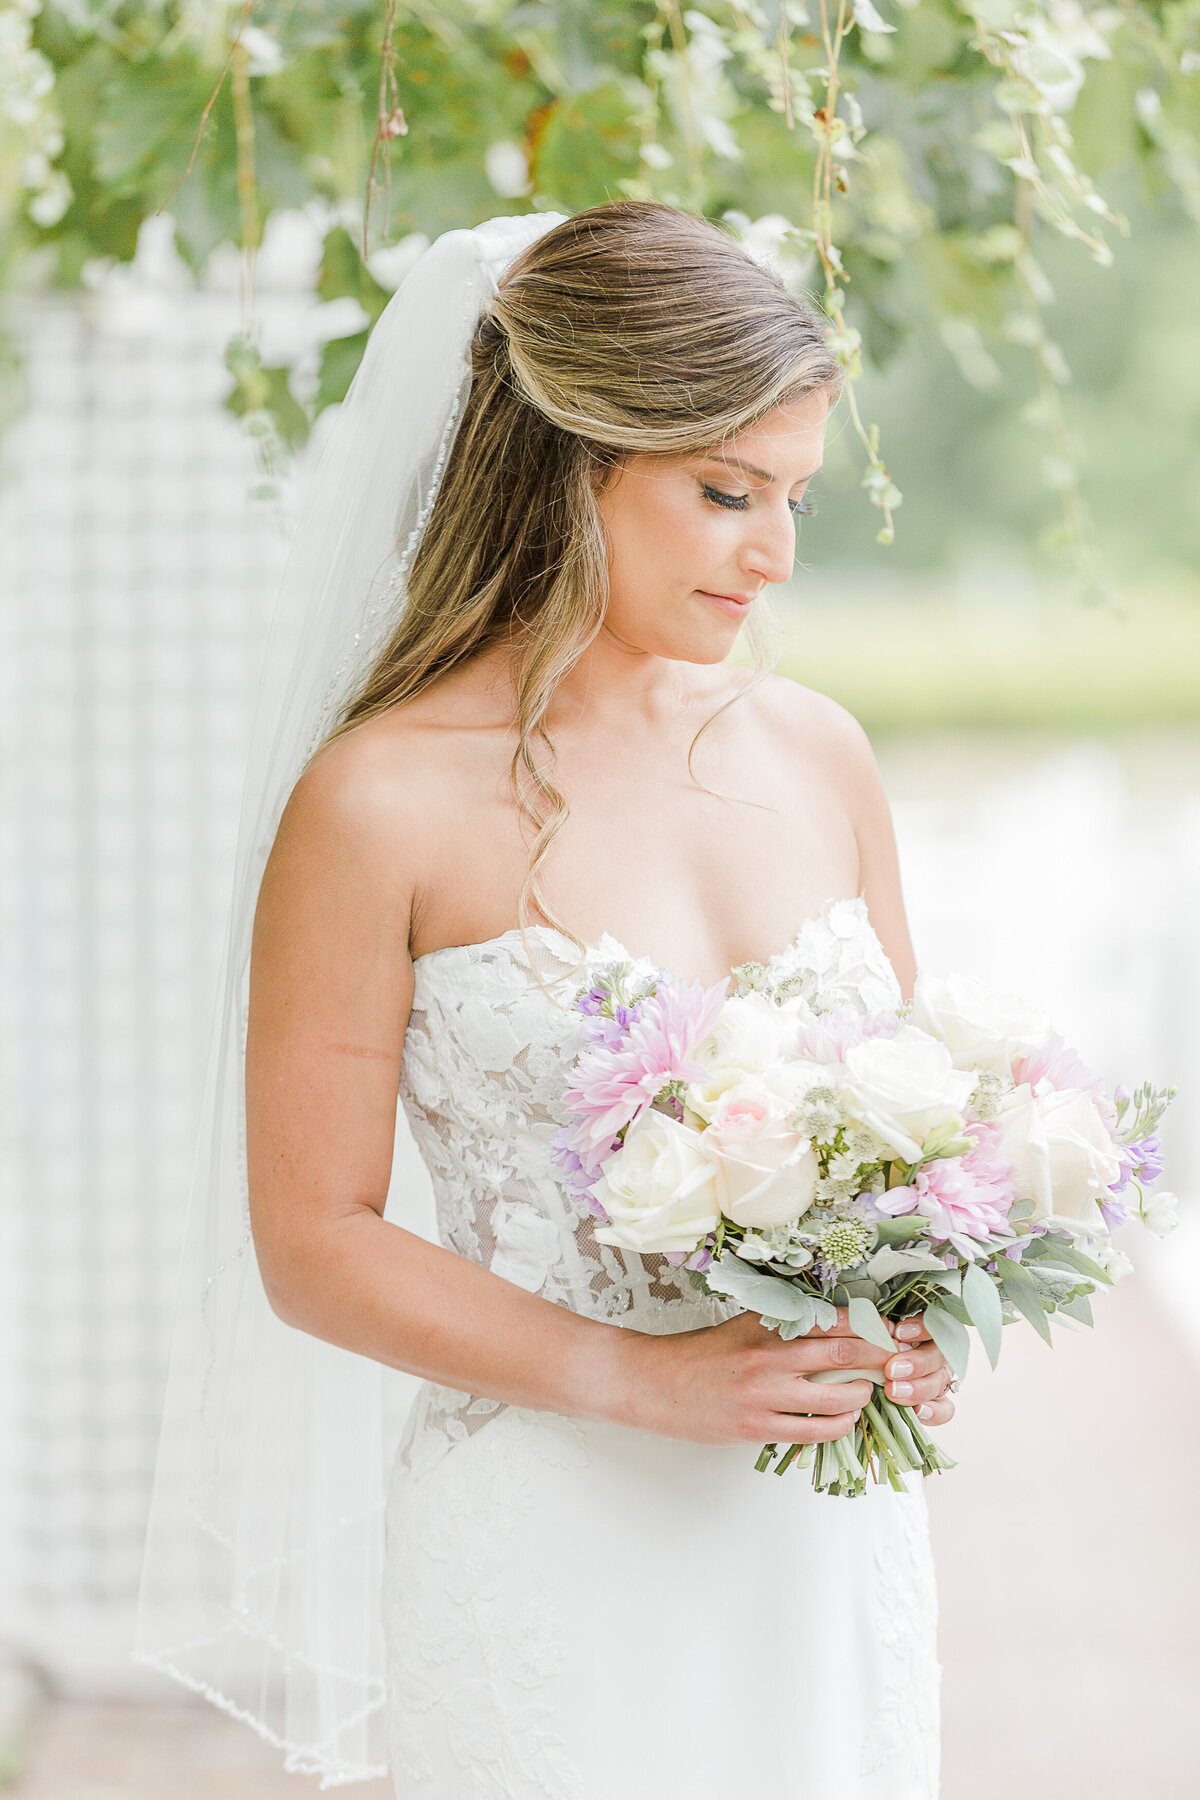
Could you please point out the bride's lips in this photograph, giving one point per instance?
(736, 606)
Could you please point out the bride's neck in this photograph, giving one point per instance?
(618, 680)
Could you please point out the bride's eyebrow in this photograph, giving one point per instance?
(725, 462)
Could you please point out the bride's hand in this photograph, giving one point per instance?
(924, 1385)
(741, 1383)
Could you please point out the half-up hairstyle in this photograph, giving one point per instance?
(631, 328)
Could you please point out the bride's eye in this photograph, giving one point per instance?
(801, 509)
(736, 501)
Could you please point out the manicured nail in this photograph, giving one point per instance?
(909, 1329)
(901, 1368)
(902, 1390)
(925, 1412)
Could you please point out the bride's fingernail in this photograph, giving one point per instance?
(925, 1412)
(902, 1390)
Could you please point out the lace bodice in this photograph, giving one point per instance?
(499, 1633)
(491, 1037)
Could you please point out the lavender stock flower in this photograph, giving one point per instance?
(1143, 1159)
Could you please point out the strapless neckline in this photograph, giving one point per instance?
(609, 946)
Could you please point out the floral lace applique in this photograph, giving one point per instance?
(466, 1658)
(904, 1736)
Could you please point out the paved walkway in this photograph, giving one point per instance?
(1067, 1560)
(1070, 1597)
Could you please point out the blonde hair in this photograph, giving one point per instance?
(631, 328)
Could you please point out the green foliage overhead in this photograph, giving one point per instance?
(907, 168)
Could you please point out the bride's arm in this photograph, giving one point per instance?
(330, 992)
(871, 817)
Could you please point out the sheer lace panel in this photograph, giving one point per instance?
(491, 1037)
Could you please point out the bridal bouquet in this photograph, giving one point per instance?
(952, 1157)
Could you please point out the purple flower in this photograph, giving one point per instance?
(1152, 1163)
(577, 1177)
(1142, 1158)
(700, 1258)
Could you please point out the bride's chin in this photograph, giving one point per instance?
(708, 654)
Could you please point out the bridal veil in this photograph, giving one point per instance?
(264, 1549)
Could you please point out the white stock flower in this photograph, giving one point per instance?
(1160, 1212)
(1114, 1262)
(1062, 1153)
(659, 1189)
(981, 1030)
(767, 1173)
(900, 1087)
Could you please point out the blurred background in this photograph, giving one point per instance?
(1025, 655)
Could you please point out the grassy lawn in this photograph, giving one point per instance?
(993, 656)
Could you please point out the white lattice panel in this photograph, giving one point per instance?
(138, 581)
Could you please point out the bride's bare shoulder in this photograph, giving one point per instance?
(811, 725)
(408, 768)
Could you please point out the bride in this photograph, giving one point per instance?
(547, 761)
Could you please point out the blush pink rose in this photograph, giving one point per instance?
(766, 1172)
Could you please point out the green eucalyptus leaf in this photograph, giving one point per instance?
(889, 1261)
(951, 1338)
(1020, 1287)
(766, 1294)
(982, 1300)
(1075, 1259)
(1078, 1307)
(866, 1323)
(900, 1230)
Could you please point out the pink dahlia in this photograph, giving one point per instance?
(826, 1037)
(965, 1198)
(1056, 1062)
(613, 1084)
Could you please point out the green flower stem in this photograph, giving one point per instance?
(888, 1443)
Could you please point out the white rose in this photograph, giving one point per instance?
(901, 1087)
(766, 1173)
(749, 1036)
(1062, 1152)
(1160, 1213)
(980, 1029)
(659, 1189)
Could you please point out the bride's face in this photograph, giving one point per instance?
(693, 540)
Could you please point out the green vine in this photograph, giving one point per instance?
(907, 168)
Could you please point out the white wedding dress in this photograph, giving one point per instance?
(581, 1611)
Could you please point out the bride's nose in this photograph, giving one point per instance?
(770, 550)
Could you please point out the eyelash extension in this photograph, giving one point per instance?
(801, 509)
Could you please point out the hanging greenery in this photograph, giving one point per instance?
(904, 168)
